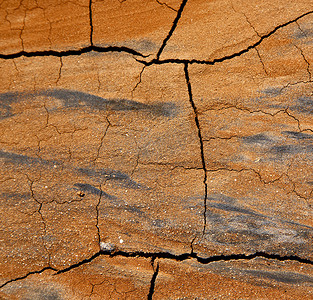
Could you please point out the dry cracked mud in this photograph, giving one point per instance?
(156, 149)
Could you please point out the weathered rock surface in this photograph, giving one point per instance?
(156, 150)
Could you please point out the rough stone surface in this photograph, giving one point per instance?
(156, 150)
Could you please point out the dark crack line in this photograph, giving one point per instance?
(139, 80)
(167, 255)
(153, 280)
(201, 144)
(90, 23)
(41, 217)
(84, 261)
(90, 48)
(166, 5)
(102, 139)
(307, 63)
(60, 71)
(74, 52)
(226, 57)
(28, 274)
(97, 215)
(261, 61)
(175, 22)
(301, 29)
(186, 256)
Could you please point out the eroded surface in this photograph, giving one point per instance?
(159, 150)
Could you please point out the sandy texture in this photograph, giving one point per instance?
(156, 150)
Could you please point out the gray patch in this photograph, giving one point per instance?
(233, 208)
(133, 209)
(272, 92)
(18, 196)
(298, 135)
(6, 99)
(237, 225)
(303, 33)
(85, 187)
(146, 45)
(257, 139)
(80, 99)
(283, 277)
(108, 174)
(43, 294)
(24, 159)
(305, 105)
(75, 99)
(159, 223)
(291, 149)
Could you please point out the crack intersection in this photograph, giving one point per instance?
(157, 61)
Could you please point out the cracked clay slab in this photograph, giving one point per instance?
(156, 149)
(123, 152)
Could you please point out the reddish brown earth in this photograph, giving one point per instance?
(158, 150)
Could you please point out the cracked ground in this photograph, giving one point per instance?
(156, 149)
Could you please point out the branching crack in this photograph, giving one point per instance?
(157, 60)
(201, 144)
(167, 255)
(186, 256)
(186, 63)
(226, 57)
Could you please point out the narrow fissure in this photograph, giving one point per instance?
(97, 215)
(153, 280)
(201, 145)
(28, 274)
(175, 22)
(74, 52)
(90, 23)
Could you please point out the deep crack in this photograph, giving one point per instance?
(175, 22)
(90, 23)
(167, 255)
(97, 215)
(74, 52)
(26, 275)
(153, 279)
